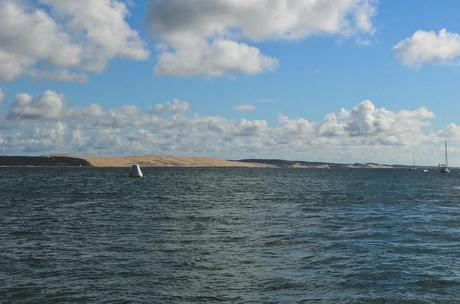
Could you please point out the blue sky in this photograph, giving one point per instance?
(310, 70)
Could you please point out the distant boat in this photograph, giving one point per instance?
(135, 171)
(425, 170)
(444, 168)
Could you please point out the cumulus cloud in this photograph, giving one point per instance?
(51, 105)
(81, 35)
(47, 105)
(244, 108)
(124, 115)
(365, 132)
(105, 31)
(174, 106)
(28, 36)
(181, 22)
(215, 59)
(208, 32)
(50, 136)
(428, 47)
(451, 131)
(378, 125)
(77, 138)
(93, 110)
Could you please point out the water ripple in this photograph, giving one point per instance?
(229, 236)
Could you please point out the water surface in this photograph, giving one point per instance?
(229, 235)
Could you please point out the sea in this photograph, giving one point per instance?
(213, 235)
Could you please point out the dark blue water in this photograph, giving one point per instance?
(229, 236)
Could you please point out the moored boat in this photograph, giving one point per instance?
(444, 168)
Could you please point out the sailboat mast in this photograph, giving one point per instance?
(446, 161)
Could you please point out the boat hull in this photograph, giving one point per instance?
(445, 170)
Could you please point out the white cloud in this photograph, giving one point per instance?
(244, 108)
(50, 136)
(127, 110)
(47, 105)
(93, 110)
(174, 106)
(250, 127)
(81, 35)
(209, 31)
(125, 113)
(365, 132)
(428, 47)
(51, 105)
(451, 131)
(179, 22)
(104, 29)
(363, 17)
(215, 59)
(377, 125)
(28, 36)
(77, 138)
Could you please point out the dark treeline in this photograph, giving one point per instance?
(51, 161)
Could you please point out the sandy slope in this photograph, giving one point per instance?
(167, 161)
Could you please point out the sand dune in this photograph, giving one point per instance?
(167, 161)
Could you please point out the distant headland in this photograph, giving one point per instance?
(173, 161)
(43, 161)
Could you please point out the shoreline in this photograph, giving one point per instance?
(160, 161)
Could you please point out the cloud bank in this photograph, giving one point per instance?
(210, 37)
(46, 123)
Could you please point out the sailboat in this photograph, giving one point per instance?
(444, 168)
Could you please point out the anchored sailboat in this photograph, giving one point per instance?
(444, 168)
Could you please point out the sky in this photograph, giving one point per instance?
(319, 80)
